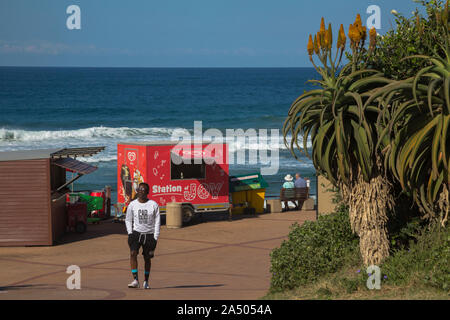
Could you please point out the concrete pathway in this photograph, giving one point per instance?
(213, 259)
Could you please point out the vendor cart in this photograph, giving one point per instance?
(195, 175)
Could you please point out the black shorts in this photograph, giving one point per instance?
(147, 241)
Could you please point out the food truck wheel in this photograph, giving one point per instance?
(80, 227)
(187, 214)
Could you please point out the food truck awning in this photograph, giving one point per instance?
(73, 165)
(77, 152)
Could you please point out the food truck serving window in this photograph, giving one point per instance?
(186, 171)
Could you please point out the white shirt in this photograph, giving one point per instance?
(143, 217)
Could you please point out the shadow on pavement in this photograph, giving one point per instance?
(26, 286)
(109, 226)
(192, 286)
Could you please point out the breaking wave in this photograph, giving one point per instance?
(10, 135)
(17, 139)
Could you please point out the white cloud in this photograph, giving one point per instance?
(52, 48)
(42, 47)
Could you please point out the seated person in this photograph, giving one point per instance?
(299, 181)
(288, 184)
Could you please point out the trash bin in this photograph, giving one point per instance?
(238, 198)
(250, 189)
(256, 199)
(174, 218)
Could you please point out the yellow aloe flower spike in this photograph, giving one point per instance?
(363, 33)
(329, 36)
(353, 34)
(358, 22)
(321, 38)
(310, 46)
(373, 33)
(373, 38)
(318, 40)
(316, 45)
(322, 25)
(343, 38)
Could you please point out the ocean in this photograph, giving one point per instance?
(80, 107)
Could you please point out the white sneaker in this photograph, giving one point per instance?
(134, 284)
(146, 286)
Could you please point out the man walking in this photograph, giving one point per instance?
(143, 223)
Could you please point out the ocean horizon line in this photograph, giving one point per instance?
(121, 67)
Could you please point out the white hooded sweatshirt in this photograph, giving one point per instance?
(143, 218)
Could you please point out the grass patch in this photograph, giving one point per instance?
(348, 285)
(424, 262)
(321, 260)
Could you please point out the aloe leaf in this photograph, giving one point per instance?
(422, 134)
(444, 138)
(447, 92)
(437, 187)
(435, 147)
(430, 94)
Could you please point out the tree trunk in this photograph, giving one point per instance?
(444, 205)
(368, 209)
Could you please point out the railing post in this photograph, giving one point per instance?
(317, 197)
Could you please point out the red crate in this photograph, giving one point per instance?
(77, 217)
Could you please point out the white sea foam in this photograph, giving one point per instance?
(100, 157)
(10, 135)
(16, 139)
(265, 145)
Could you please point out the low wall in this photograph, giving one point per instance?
(325, 203)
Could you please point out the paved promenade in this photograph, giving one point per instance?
(212, 259)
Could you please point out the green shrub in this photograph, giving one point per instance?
(406, 235)
(417, 35)
(313, 250)
(426, 261)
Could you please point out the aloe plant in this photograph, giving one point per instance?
(418, 128)
(343, 129)
(416, 121)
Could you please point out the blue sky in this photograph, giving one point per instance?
(175, 33)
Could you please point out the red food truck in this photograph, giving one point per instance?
(194, 174)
